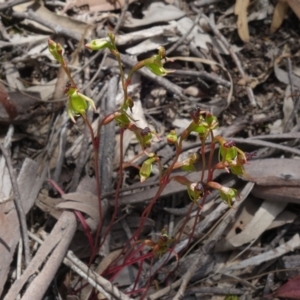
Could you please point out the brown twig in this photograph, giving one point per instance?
(17, 197)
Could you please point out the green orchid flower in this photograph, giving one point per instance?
(77, 103)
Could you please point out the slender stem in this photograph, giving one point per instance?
(212, 150)
(65, 67)
(203, 160)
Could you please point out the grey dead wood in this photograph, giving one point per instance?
(29, 183)
(107, 137)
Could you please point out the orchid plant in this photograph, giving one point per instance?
(203, 123)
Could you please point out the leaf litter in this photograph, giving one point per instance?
(246, 60)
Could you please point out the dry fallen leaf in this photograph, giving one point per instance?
(240, 10)
(280, 11)
(9, 107)
(97, 5)
(289, 290)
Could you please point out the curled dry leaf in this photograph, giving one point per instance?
(280, 11)
(240, 10)
(86, 203)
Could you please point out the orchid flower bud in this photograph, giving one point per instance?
(56, 50)
(172, 137)
(99, 44)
